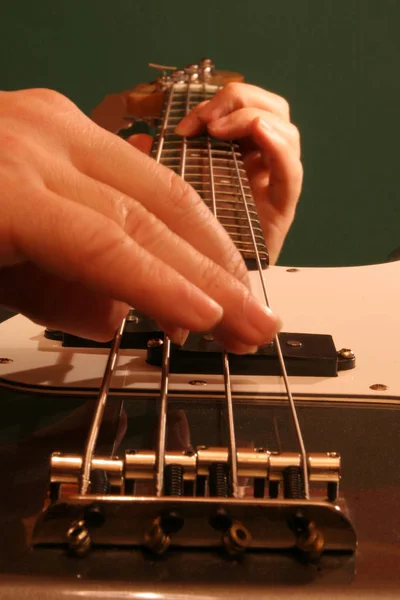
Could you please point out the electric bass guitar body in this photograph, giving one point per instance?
(188, 511)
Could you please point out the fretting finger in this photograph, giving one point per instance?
(231, 98)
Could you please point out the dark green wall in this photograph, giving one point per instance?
(337, 61)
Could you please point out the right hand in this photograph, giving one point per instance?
(90, 226)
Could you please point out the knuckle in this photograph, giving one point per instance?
(140, 224)
(185, 203)
(294, 134)
(49, 97)
(233, 91)
(284, 106)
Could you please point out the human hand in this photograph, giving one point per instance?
(270, 145)
(90, 226)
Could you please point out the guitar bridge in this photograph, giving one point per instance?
(196, 509)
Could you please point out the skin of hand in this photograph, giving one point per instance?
(270, 144)
(90, 225)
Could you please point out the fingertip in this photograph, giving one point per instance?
(188, 126)
(141, 141)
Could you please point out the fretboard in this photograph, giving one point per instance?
(214, 168)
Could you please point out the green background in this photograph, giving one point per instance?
(336, 61)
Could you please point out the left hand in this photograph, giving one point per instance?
(270, 143)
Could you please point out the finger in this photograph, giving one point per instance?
(162, 193)
(176, 334)
(277, 186)
(286, 172)
(59, 304)
(80, 244)
(141, 141)
(231, 98)
(107, 158)
(239, 125)
(156, 238)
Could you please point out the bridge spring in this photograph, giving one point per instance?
(173, 480)
(99, 483)
(219, 480)
(293, 485)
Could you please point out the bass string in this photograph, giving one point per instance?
(109, 370)
(225, 359)
(162, 424)
(278, 347)
(113, 355)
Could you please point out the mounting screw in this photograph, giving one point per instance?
(78, 537)
(346, 353)
(208, 337)
(236, 539)
(378, 387)
(5, 361)
(197, 382)
(156, 539)
(133, 318)
(310, 541)
(292, 270)
(155, 343)
(294, 343)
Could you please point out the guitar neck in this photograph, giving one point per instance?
(214, 168)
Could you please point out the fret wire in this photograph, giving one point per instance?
(281, 359)
(219, 145)
(199, 153)
(162, 427)
(233, 208)
(225, 360)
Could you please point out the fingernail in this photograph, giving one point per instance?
(262, 319)
(266, 128)
(209, 313)
(179, 336)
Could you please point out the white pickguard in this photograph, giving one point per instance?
(358, 306)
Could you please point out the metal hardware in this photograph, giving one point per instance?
(346, 353)
(309, 539)
(161, 67)
(197, 382)
(208, 337)
(5, 361)
(379, 387)
(141, 465)
(270, 522)
(155, 343)
(78, 538)
(164, 79)
(133, 317)
(294, 343)
(156, 539)
(178, 76)
(236, 539)
(207, 68)
(292, 270)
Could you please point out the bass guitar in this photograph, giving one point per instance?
(143, 469)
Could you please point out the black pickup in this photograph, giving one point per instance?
(305, 354)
